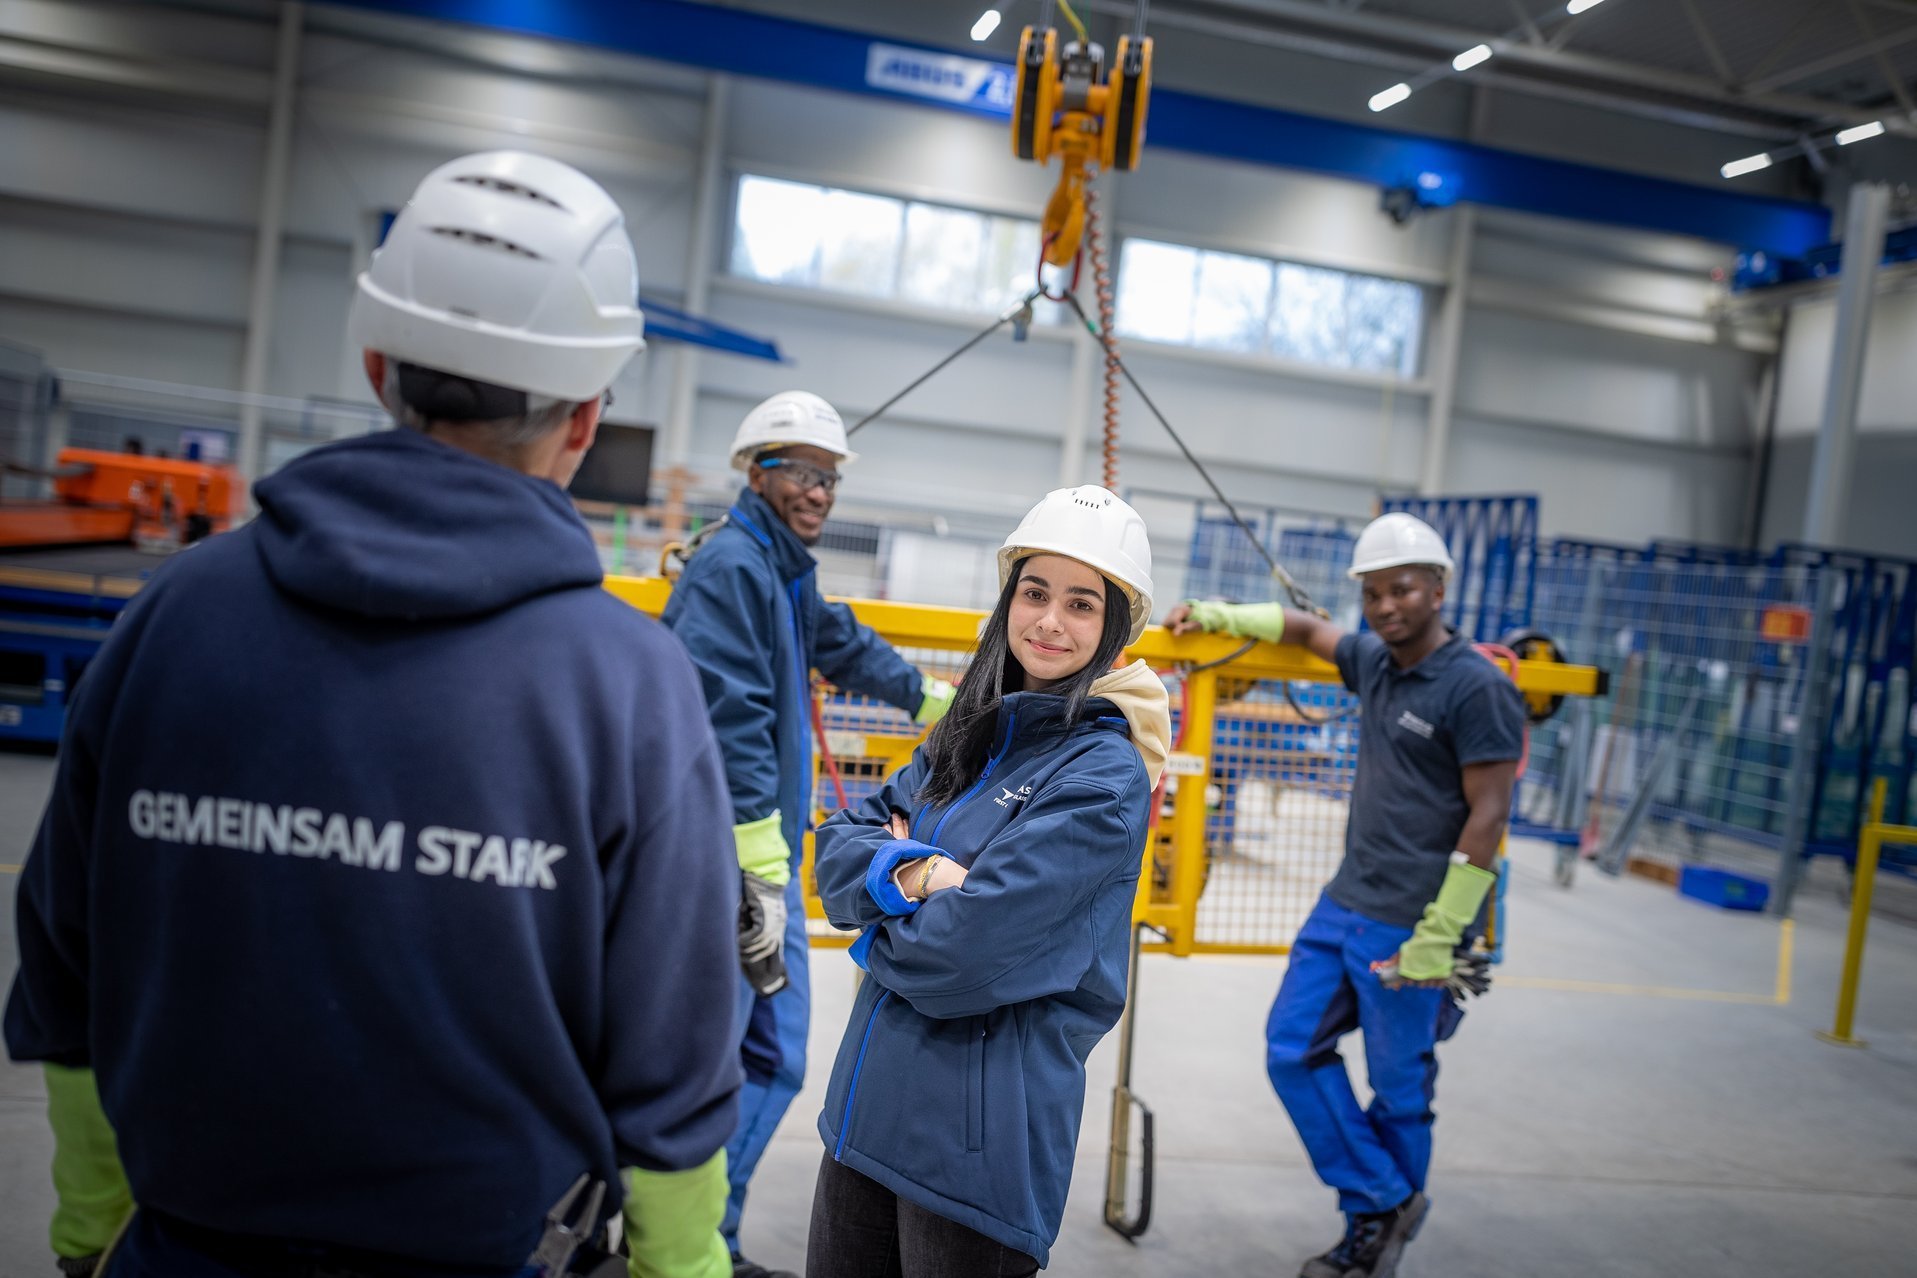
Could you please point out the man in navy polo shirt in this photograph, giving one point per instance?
(1442, 730)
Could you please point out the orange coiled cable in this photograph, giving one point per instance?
(1107, 334)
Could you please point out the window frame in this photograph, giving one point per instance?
(1050, 321)
(1429, 289)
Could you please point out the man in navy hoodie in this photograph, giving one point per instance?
(749, 611)
(382, 891)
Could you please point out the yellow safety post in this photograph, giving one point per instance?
(1870, 845)
(1189, 811)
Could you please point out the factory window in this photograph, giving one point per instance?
(877, 246)
(1229, 302)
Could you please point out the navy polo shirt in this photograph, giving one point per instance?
(1418, 729)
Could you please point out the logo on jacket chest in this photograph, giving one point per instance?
(1009, 798)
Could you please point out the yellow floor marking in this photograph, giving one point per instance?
(1779, 997)
(9, 869)
(1642, 991)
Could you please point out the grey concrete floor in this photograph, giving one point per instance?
(1602, 1112)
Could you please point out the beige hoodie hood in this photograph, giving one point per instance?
(1140, 697)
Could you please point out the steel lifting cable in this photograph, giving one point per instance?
(1012, 313)
(1293, 591)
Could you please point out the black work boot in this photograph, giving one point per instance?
(743, 1268)
(1333, 1263)
(1378, 1240)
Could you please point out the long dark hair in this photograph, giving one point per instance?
(962, 742)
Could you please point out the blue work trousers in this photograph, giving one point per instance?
(1375, 1157)
(772, 1049)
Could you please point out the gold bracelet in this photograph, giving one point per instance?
(925, 877)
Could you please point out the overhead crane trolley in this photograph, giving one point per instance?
(1068, 103)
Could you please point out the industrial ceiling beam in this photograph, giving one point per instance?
(1885, 66)
(1708, 42)
(1701, 117)
(1831, 61)
(1526, 22)
(1443, 41)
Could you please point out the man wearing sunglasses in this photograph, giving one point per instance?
(749, 611)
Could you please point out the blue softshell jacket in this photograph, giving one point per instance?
(749, 611)
(387, 882)
(961, 1078)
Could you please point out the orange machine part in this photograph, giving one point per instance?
(138, 482)
(48, 523)
(110, 497)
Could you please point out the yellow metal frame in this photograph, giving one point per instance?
(1863, 885)
(1172, 911)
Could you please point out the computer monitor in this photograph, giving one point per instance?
(618, 469)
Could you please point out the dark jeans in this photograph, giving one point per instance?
(861, 1229)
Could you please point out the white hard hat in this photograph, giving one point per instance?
(1090, 525)
(510, 269)
(791, 417)
(1398, 539)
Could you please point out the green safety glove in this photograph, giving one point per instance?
(938, 699)
(1431, 953)
(672, 1222)
(1247, 621)
(762, 849)
(92, 1200)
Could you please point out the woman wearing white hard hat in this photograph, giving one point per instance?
(992, 880)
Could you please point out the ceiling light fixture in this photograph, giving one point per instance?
(1390, 97)
(1749, 164)
(1863, 132)
(986, 24)
(1471, 57)
(1579, 6)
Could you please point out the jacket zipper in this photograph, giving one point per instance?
(858, 1066)
(1011, 730)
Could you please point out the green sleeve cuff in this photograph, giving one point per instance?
(1247, 621)
(1429, 954)
(672, 1222)
(1462, 893)
(938, 699)
(762, 849)
(91, 1197)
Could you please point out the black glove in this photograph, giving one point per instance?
(78, 1266)
(1470, 975)
(762, 933)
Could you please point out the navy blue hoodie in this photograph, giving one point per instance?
(961, 1079)
(387, 881)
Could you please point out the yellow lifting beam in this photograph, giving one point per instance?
(1169, 891)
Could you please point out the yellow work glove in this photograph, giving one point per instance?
(938, 699)
(91, 1197)
(1247, 621)
(672, 1222)
(1431, 953)
(762, 849)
